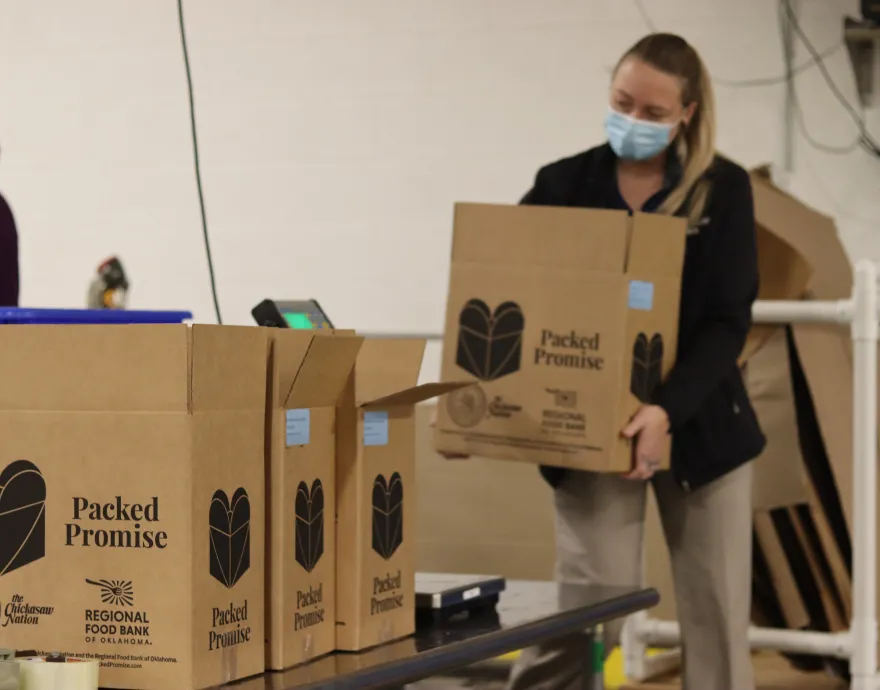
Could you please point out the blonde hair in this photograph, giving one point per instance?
(695, 142)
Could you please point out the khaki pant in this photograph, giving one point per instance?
(599, 533)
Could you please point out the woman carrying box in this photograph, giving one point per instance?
(660, 158)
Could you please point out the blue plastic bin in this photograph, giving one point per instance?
(10, 315)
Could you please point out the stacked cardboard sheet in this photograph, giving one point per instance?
(801, 385)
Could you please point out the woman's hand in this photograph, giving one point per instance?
(648, 430)
(448, 456)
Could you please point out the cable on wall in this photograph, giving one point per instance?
(781, 79)
(748, 83)
(817, 59)
(198, 170)
(645, 16)
(864, 138)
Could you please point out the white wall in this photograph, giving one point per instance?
(336, 134)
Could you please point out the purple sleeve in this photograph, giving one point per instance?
(8, 257)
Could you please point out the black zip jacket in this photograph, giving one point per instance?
(8, 257)
(714, 427)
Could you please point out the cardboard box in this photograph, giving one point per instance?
(784, 275)
(375, 493)
(520, 546)
(567, 318)
(808, 487)
(132, 499)
(307, 373)
(769, 382)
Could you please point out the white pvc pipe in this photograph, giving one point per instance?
(802, 311)
(863, 663)
(859, 644)
(667, 634)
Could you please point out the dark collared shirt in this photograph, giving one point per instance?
(8, 257)
(713, 424)
(670, 178)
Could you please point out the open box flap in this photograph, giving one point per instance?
(92, 368)
(511, 235)
(132, 368)
(228, 367)
(812, 236)
(324, 371)
(386, 366)
(417, 394)
(656, 245)
(288, 351)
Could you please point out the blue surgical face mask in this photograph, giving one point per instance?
(636, 139)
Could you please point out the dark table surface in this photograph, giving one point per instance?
(528, 613)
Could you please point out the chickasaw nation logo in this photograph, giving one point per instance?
(467, 406)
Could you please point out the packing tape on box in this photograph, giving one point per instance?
(56, 672)
(386, 632)
(229, 659)
(308, 649)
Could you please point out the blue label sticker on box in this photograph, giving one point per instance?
(641, 295)
(298, 426)
(376, 428)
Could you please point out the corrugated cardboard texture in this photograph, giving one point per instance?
(519, 546)
(307, 373)
(131, 499)
(566, 319)
(376, 501)
(500, 521)
(784, 275)
(820, 359)
(768, 378)
(825, 350)
(386, 366)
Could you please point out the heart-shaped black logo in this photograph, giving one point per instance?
(230, 523)
(647, 366)
(387, 515)
(309, 507)
(22, 515)
(490, 344)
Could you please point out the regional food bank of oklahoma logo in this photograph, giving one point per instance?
(115, 592)
(230, 533)
(22, 516)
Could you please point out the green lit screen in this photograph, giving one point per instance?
(298, 320)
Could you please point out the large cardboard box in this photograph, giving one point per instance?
(375, 493)
(307, 373)
(132, 499)
(816, 365)
(567, 318)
